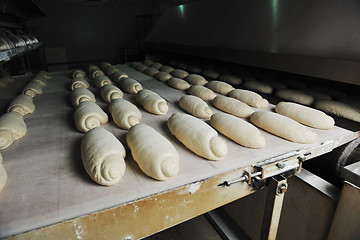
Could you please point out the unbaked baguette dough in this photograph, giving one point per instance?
(251, 98)
(151, 71)
(178, 73)
(32, 89)
(118, 76)
(295, 96)
(80, 95)
(178, 83)
(141, 68)
(45, 74)
(220, 87)
(232, 106)
(3, 175)
(339, 109)
(110, 92)
(124, 113)
(232, 79)
(163, 76)
(258, 86)
(210, 73)
(317, 95)
(152, 102)
(283, 127)
(101, 81)
(194, 69)
(103, 156)
(305, 115)
(196, 79)
(130, 85)
(147, 62)
(89, 115)
(197, 136)
(22, 104)
(239, 130)
(154, 154)
(40, 79)
(156, 65)
(78, 73)
(12, 127)
(195, 106)
(167, 69)
(202, 92)
(78, 82)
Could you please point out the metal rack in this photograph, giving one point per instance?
(7, 55)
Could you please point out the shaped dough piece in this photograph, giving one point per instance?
(151, 71)
(154, 154)
(182, 65)
(78, 73)
(202, 92)
(232, 106)
(283, 127)
(141, 68)
(195, 106)
(32, 89)
(163, 76)
(110, 92)
(194, 69)
(134, 64)
(197, 136)
(118, 76)
(152, 102)
(305, 115)
(124, 113)
(22, 104)
(339, 109)
(40, 79)
(3, 175)
(92, 67)
(178, 83)
(238, 130)
(210, 73)
(45, 74)
(147, 62)
(178, 73)
(167, 69)
(80, 95)
(101, 81)
(196, 79)
(78, 83)
(96, 73)
(89, 115)
(156, 65)
(12, 127)
(104, 65)
(103, 156)
(110, 70)
(258, 86)
(220, 87)
(232, 79)
(317, 95)
(130, 85)
(251, 98)
(295, 96)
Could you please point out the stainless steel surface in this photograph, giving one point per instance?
(351, 173)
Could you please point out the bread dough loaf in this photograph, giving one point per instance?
(110, 92)
(295, 96)
(92, 68)
(147, 62)
(32, 89)
(317, 95)
(258, 86)
(194, 69)
(118, 76)
(152, 102)
(197, 136)
(45, 74)
(178, 83)
(167, 69)
(151, 71)
(339, 109)
(3, 175)
(124, 113)
(239, 130)
(22, 104)
(130, 85)
(110, 70)
(182, 65)
(101, 81)
(154, 154)
(141, 68)
(134, 64)
(202, 92)
(195, 106)
(103, 156)
(12, 127)
(163, 76)
(232, 79)
(232, 106)
(251, 98)
(40, 79)
(283, 127)
(332, 91)
(220, 87)
(196, 79)
(178, 73)
(78, 73)
(89, 115)
(274, 83)
(80, 95)
(305, 115)
(104, 65)
(96, 73)
(156, 65)
(210, 73)
(78, 82)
